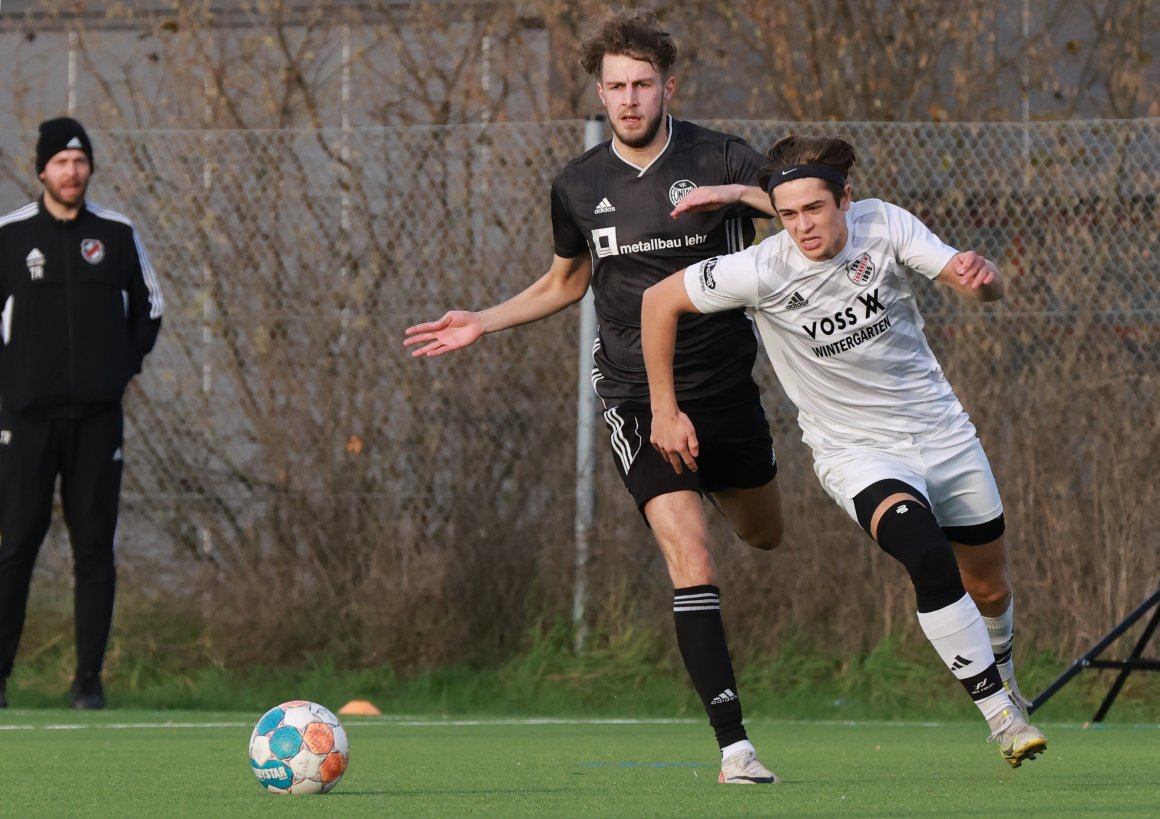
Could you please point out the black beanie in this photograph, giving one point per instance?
(58, 135)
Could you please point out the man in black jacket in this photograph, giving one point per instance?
(80, 310)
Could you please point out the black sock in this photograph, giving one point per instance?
(701, 639)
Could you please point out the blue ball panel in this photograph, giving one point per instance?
(285, 742)
(270, 720)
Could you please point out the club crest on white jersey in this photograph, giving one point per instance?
(861, 270)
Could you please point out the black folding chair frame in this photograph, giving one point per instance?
(1134, 662)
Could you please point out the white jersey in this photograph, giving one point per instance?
(844, 335)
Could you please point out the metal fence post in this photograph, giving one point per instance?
(585, 435)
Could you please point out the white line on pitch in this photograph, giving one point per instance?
(417, 722)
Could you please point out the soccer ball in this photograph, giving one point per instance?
(299, 747)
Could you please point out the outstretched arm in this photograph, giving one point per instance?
(972, 276)
(565, 283)
(672, 432)
(712, 197)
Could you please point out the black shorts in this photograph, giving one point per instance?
(736, 447)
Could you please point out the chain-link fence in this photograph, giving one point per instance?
(282, 438)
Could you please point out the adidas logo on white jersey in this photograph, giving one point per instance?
(725, 696)
(796, 302)
(604, 207)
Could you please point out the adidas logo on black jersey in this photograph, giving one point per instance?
(604, 207)
(796, 302)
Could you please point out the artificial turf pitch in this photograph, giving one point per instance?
(136, 763)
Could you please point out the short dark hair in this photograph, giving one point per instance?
(632, 33)
(803, 150)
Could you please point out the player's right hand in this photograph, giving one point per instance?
(675, 439)
(457, 329)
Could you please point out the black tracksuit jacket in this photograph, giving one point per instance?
(80, 310)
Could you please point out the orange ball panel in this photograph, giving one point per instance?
(318, 737)
(332, 767)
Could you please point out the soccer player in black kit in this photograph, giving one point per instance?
(660, 195)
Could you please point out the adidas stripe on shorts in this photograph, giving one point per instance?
(736, 446)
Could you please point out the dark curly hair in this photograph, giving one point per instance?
(633, 33)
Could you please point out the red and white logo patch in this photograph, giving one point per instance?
(93, 250)
(861, 270)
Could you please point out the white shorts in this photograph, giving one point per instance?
(949, 468)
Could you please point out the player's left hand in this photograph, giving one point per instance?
(973, 270)
(708, 197)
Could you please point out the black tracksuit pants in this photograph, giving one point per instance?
(86, 453)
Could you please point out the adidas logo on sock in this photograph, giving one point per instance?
(725, 696)
(604, 207)
(796, 302)
(960, 662)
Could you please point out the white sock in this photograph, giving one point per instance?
(960, 638)
(1001, 630)
(729, 750)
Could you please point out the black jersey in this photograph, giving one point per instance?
(82, 308)
(619, 213)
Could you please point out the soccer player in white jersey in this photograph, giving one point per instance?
(662, 194)
(891, 443)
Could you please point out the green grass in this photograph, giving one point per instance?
(166, 662)
(890, 733)
(894, 681)
(141, 763)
